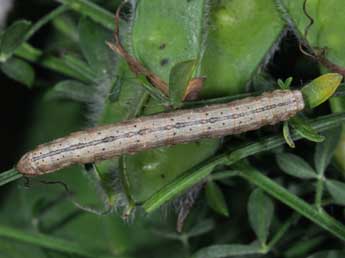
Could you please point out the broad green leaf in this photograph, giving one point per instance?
(215, 199)
(19, 70)
(287, 135)
(241, 34)
(72, 90)
(12, 38)
(180, 75)
(324, 151)
(148, 171)
(304, 129)
(166, 33)
(328, 254)
(295, 166)
(321, 89)
(260, 212)
(223, 251)
(337, 190)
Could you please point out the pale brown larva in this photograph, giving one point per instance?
(105, 142)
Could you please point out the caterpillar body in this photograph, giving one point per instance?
(105, 142)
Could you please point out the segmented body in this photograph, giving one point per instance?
(105, 142)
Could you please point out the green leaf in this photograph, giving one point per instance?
(324, 151)
(220, 251)
(93, 38)
(240, 36)
(286, 84)
(304, 129)
(215, 199)
(19, 70)
(201, 228)
(295, 166)
(180, 75)
(72, 90)
(287, 135)
(328, 254)
(337, 190)
(12, 38)
(321, 89)
(260, 211)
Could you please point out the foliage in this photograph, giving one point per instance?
(233, 197)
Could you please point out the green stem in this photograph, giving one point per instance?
(9, 176)
(223, 175)
(45, 19)
(49, 242)
(281, 232)
(196, 175)
(95, 12)
(319, 192)
(69, 66)
(320, 218)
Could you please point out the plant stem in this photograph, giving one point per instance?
(319, 192)
(49, 242)
(196, 175)
(320, 218)
(284, 228)
(224, 174)
(95, 12)
(9, 176)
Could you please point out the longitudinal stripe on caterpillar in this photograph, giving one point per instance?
(105, 142)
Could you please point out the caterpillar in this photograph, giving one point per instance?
(163, 129)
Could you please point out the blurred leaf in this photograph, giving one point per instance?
(324, 151)
(295, 166)
(337, 190)
(287, 135)
(201, 228)
(180, 75)
(220, 251)
(19, 70)
(92, 40)
(328, 254)
(260, 212)
(216, 199)
(72, 90)
(321, 89)
(304, 129)
(12, 38)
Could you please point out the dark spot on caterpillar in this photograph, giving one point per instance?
(164, 61)
(162, 46)
(162, 176)
(103, 149)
